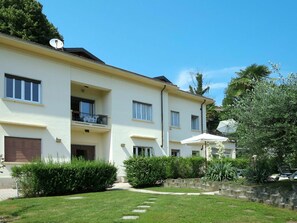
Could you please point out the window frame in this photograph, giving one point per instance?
(198, 124)
(195, 153)
(172, 122)
(177, 151)
(148, 151)
(23, 88)
(140, 114)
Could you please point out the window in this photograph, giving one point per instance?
(83, 110)
(175, 152)
(195, 122)
(22, 88)
(22, 149)
(195, 153)
(142, 151)
(142, 111)
(83, 151)
(174, 119)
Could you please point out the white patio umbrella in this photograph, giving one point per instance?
(227, 126)
(203, 139)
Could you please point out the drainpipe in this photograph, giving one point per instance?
(205, 152)
(162, 118)
(201, 109)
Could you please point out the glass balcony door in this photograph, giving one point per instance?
(86, 107)
(83, 109)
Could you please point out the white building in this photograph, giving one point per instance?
(57, 104)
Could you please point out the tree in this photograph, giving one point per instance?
(198, 85)
(244, 82)
(24, 19)
(212, 116)
(267, 118)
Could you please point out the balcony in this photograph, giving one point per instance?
(89, 122)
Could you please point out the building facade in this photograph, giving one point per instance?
(55, 104)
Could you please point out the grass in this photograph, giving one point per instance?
(110, 206)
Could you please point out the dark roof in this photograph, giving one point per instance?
(83, 53)
(163, 78)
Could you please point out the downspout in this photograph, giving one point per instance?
(205, 152)
(162, 118)
(201, 109)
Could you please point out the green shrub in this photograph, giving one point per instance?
(189, 167)
(259, 170)
(79, 176)
(146, 171)
(220, 170)
(239, 163)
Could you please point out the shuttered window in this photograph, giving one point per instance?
(22, 149)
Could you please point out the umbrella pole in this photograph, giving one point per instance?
(205, 155)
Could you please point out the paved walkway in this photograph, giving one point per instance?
(7, 193)
(12, 193)
(127, 186)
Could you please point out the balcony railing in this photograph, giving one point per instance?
(89, 118)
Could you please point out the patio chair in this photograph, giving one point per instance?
(285, 170)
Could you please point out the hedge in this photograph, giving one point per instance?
(79, 176)
(146, 171)
(239, 163)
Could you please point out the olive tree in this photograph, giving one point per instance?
(267, 118)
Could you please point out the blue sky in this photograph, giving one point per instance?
(176, 38)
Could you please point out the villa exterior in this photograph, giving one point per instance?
(58, 104)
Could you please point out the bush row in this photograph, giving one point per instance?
(144, 171)
(79, 176)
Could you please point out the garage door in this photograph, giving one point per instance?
(22, 149)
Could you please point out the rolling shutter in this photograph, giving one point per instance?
(22, 149)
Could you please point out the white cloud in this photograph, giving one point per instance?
(227, 71)
(217, 80)
(218, 85)
(184, 79)
(214, 78)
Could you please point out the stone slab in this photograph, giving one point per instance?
(139, 211)
(130, 217)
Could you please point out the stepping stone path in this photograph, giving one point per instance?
(249, 211)
(149, 202)
(130, 217)
(74, 198)
(140, 209)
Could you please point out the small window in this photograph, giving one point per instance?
(175, 152)
(174, 119)
(142, 111)
(142, 151)
(22, 88)
(195, 122)
(195, 153)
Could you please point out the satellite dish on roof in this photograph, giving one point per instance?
(56, 43)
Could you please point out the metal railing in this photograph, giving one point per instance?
(89, 118)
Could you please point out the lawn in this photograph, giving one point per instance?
(110, 206)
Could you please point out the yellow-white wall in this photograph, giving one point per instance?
(48, 120)
(113, 96)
